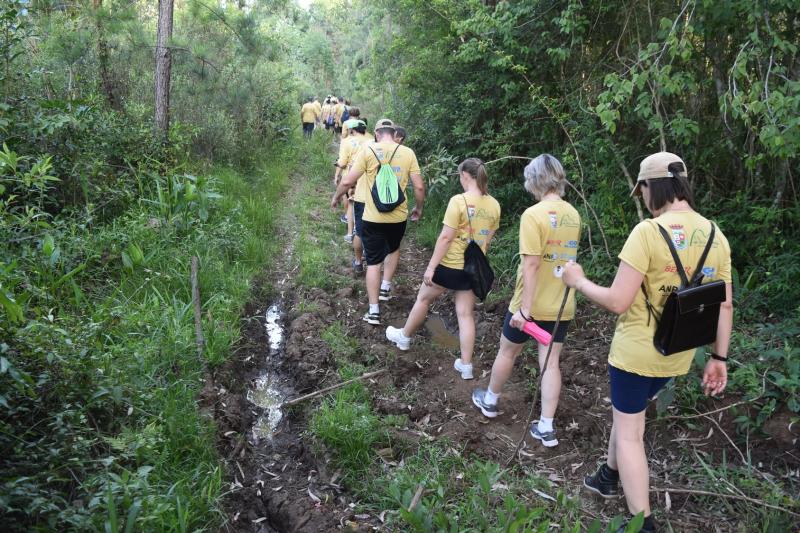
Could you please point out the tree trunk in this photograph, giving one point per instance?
(106, 82)
(163, 67)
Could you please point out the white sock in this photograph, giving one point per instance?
(490, 397)
(375, 308)
(545, 424)
(403, 333)
(386, 285)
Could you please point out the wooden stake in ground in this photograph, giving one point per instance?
(198, 325)
(332, 387)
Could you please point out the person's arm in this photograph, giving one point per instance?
(617, 298)
(530, 269)
(345, 183)
(439, 250)
(419, 196)
(715, 374)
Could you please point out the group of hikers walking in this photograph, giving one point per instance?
(656, 264)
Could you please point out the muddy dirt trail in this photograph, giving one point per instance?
(278, 481)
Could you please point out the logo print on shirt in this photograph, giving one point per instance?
(678, 237)
(553, 219)
(572, 244)
(709, 272)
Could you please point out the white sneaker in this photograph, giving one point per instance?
(396, 336)
(466, 370)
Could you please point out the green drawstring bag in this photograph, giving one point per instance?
(386, 191)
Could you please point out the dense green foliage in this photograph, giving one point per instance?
(99, 373)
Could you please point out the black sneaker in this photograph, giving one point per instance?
(604, 482)
(385, 295)
(548, 438)
(372, 318)
(358, 268)
(488, 410)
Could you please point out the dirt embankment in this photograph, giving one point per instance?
(283, 484)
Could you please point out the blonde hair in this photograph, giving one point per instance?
(543, 175)
(475, 168)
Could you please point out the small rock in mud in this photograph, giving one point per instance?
(344, 292)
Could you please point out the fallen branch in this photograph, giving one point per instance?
(417, 497)
(332, 387)
(198, 324)
(728, 496)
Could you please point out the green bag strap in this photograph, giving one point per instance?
(379, 159)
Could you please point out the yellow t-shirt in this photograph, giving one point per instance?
(318, 108)
(484, 218)
(326, 111)
(308, 113)
(348, 149)
(404, 164)
(632, 347)
(338, 110)
(550, 229)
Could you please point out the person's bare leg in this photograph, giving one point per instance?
(390, 265)
(551, 379)
(373, 282)
(358, 248)
(503, 364)
(632, 460)
(465, 305)
(612, 449)
(419, 312)
(350, 220)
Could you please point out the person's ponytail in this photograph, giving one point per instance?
(475, 168)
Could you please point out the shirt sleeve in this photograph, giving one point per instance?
(360, 162)
(414, 168)
(452, 217)
(636, 251)
(530, 235)
(496, 223)
(725, 266)
(344, 155)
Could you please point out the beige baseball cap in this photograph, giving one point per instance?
(655, 167)
(384, 123)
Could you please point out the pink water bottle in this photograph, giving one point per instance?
(537, 333)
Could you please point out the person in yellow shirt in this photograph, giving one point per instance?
(382, 231)
(637, 371)
(338, 111)
(549, 232)
(308, 116)
(473, 215)
(318, 108)
(400, 135)
(355, 114)
(327, 113)
(348, 149)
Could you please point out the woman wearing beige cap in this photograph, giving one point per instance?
(648, 272)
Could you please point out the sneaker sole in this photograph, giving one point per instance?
(545, 443)
(384, 298)
(371, 321)
(598, 493)
(487, 414)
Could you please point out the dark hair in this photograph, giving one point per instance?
(355, 112)
(475, 168)
(400, 131)
(361, 128)
(667, 190)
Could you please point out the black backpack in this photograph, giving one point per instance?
(476, 265)
(691, 314)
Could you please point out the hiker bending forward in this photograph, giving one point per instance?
(474, 215)
(637, 371)
(548, 237)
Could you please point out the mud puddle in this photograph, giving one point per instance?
(266, 392)
(440, 335)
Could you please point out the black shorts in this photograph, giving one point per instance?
(452, 278)
(337, 129)
(630, 392)
(520, 337)
(358, 213)
(328, 126)
(380, 239)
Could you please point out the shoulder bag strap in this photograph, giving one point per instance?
(395, 151)
(700, 264)
(376, 156)
(469, 220)
(678, 264)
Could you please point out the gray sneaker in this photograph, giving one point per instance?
(478, 398)
(548, 438)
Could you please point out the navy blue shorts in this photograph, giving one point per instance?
(630, 392)
(358, 213)
(520, 337)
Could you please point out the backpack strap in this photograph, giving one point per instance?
(469, 220)
(379, 159)
(698, 271)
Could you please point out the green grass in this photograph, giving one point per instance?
(108, 434)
